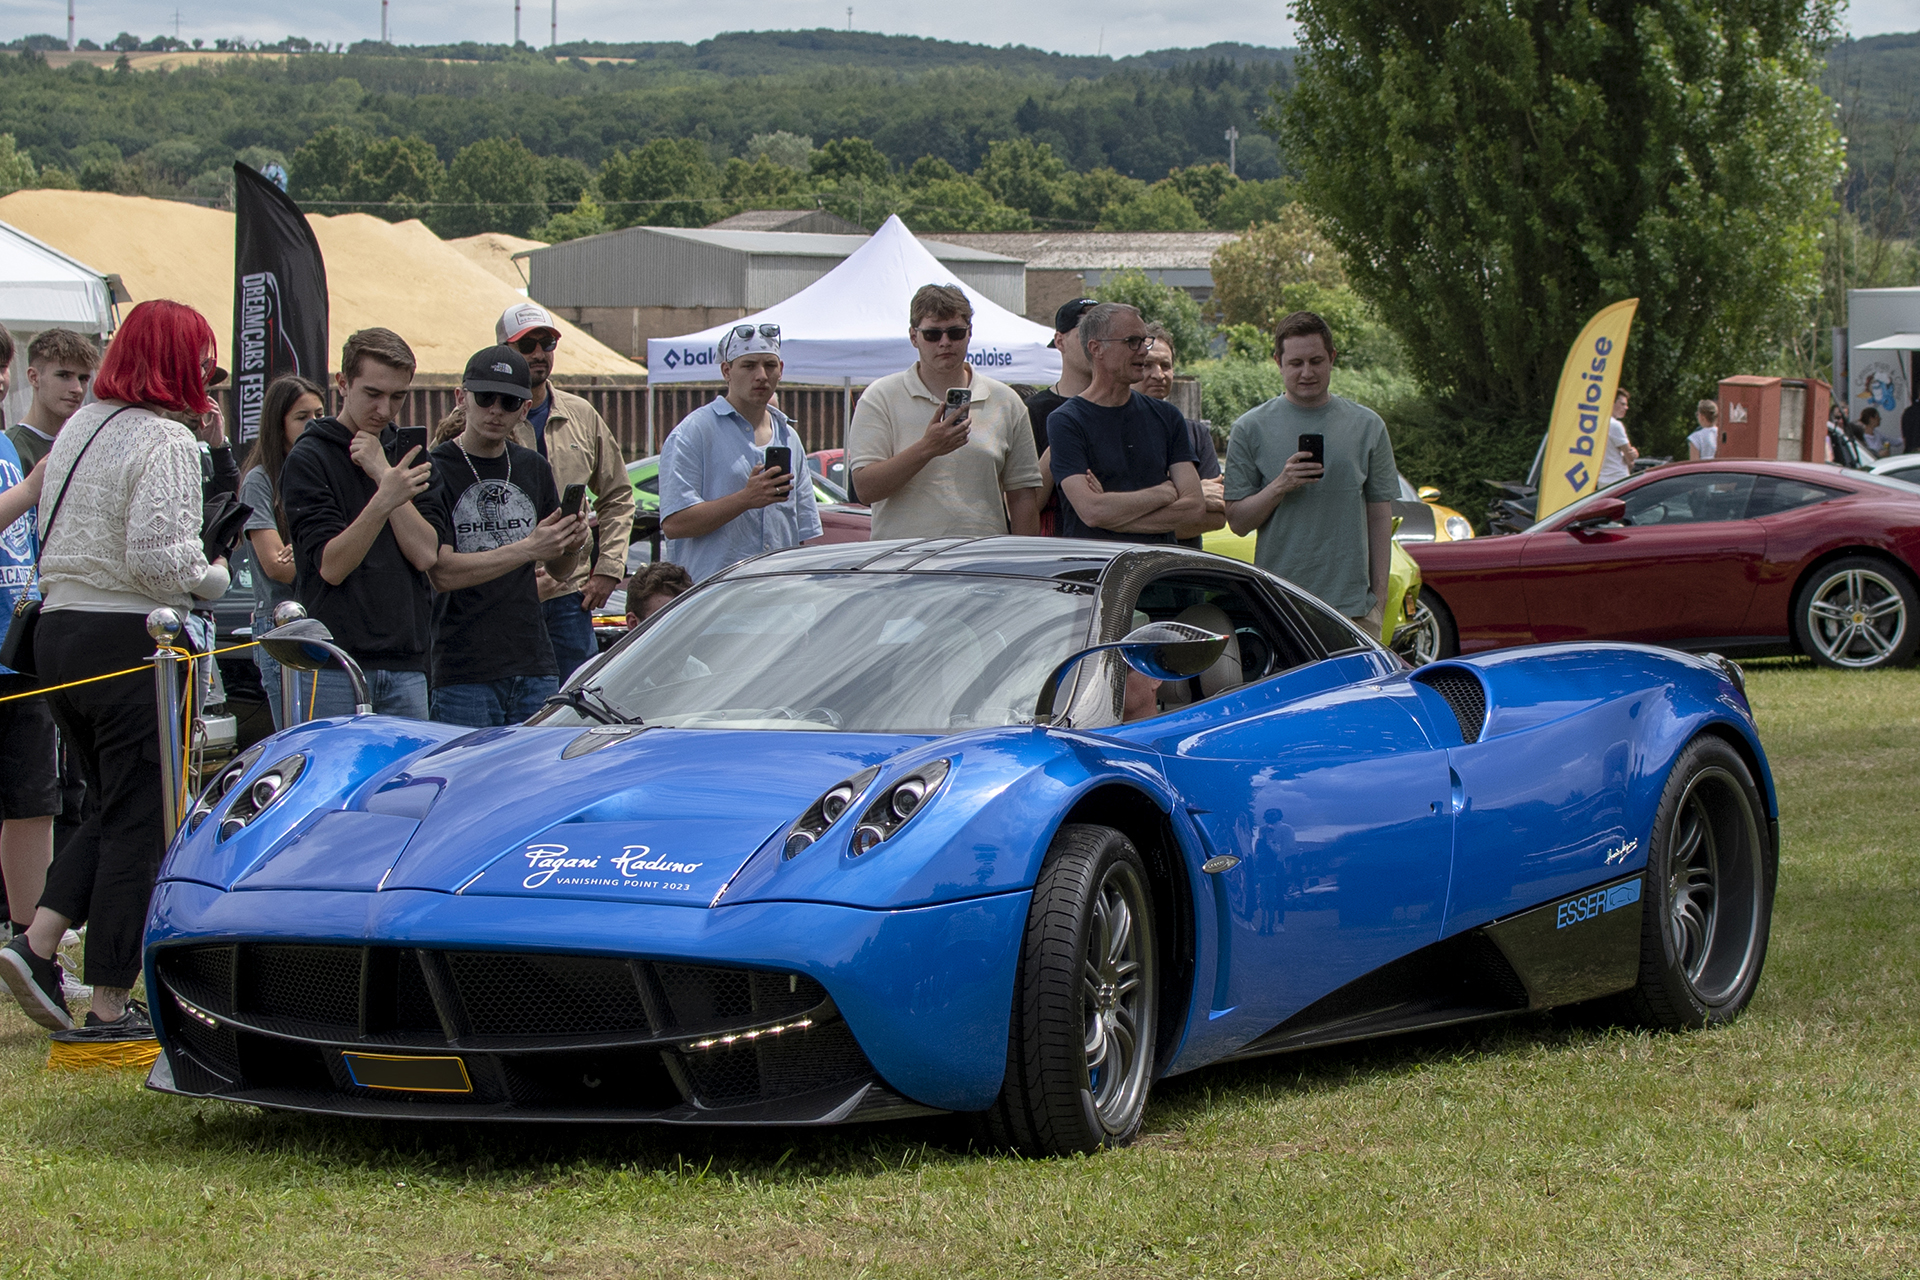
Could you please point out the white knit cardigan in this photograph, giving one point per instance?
(128, 536)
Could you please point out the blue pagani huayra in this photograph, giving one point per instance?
(815, 845)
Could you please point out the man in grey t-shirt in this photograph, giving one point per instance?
(1327, 529)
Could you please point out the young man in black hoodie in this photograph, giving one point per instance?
(361, 551)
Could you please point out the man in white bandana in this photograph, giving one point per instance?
(721, 499)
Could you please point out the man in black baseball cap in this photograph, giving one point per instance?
(497, 513)
(1075, 375)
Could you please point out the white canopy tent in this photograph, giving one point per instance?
(42, 288)
(850, 326)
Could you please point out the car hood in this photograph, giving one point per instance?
(654, 816)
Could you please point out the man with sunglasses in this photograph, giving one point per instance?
(580, 447)
(1124, 463)
(933, 469)
(721, 498)
(497, 513)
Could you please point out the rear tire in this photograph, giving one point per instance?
(1446, 636)
(1081, 1041)
(1857, 613)
(1708, 904)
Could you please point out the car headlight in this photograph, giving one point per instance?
(1410, 604)
(1459, 528)
(896, 806)
(826, 811)
(223, 783)
(262, 795)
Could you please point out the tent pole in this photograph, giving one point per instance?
(650, 449)
(846, 409)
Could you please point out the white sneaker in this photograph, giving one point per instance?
(72, 949)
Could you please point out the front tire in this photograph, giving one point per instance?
(1709, 894)
(1419, 640)
(1080, 1045)
(1857, 613)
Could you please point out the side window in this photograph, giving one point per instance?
(1695, 498)
(1774, 494)
(1335, 634)
(1259, 644)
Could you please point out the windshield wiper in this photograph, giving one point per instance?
(589, 701)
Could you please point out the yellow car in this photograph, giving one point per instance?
(1423, 519)
(1408, 627)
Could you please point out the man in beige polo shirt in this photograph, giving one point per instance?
(929, 473)
(581, 449)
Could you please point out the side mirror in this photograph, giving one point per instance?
(305, 644)
(1604, 511)
(1428, 493)
(1162, 650)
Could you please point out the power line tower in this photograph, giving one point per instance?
(69, 26)
(516, 24)
(383, 22)
(553, 32)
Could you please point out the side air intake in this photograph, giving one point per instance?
(1464, 694)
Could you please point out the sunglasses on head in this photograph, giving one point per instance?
(952, 333)
(528, 345)
(488, 399)
(746, 331)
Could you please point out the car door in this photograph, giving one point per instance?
(1683, 566)
(1321, 781)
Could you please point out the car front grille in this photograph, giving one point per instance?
(564, 1034)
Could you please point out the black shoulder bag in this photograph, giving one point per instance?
(16, 651)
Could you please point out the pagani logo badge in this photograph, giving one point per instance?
(633, 861)
(1620, 852)
(544, 861)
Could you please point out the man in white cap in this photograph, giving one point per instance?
(727, 471)
(581, 449)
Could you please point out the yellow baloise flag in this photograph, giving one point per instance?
(1577, 436)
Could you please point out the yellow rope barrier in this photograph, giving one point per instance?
(115, 675)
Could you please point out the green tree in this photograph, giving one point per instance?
(323, 166)
(959, 204)
(1494, 173)
(1258, 278)
(1159, 208)
(1091, 194)
(1204, 186)
(789, 150)
(495, 184)
(585, 219)
(1250, 202)
(567, 179)
(398, 178)
(16, 167)
(1162, 304)
(762, 184)
(1023, 174)
(670, 182)
(844, 158)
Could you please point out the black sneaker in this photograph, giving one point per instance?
(132, 1024)
(35, 983)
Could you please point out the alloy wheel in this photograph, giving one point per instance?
(1116, 986)
(1713, 885)
(1418, 639)
(1857, 618)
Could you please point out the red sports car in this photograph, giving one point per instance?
(1737, 556)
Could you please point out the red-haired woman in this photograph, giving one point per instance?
(120, 520)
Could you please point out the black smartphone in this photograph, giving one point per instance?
(411, 438)
(1316, 444)
(779, 455)
(571, 498)
(958, 398)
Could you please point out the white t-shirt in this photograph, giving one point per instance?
(1706, 440)
(1614, 465)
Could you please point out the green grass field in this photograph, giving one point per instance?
(1784, 1145)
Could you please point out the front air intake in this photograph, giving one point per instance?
(1463, 693)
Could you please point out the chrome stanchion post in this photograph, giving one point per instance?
(164, 626)
(292, 712)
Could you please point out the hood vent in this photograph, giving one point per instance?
(1463, 693)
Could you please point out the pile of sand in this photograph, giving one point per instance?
(492, 252)
(397, 275)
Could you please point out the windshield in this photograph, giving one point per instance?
(858, 653)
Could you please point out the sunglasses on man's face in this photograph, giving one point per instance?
(488, 399)
(528, 345)
(952, 333)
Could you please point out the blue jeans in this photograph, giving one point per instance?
(570, 628)
(394, 693)
(270, 678)
(492, 702)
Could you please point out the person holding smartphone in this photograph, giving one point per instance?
(941, 450)
(361, 551)
(727, 471)
(497, 513)
(1314, 473)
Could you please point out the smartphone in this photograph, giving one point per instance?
(570, 500)
(412, 438)
(779, 455)
(958, 398)
(1316, 444)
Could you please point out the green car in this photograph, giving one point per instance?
(1409, 628)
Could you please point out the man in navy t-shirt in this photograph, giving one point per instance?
(1124, 463)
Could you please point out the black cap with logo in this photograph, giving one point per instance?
(1067, 318)
(501, 370)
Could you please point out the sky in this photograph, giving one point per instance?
(1120, 27)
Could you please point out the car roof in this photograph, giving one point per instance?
(1073, 558)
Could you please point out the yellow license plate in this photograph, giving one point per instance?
(408, 1073)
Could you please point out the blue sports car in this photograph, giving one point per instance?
(1011, 826)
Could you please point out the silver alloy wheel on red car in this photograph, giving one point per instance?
(1857, 614)
(1418, 639)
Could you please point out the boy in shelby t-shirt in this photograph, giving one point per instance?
(495, 509)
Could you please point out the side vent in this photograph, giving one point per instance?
(1464, 694)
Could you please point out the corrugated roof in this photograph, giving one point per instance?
(787, 220)
(1100, 250)
(799, 244)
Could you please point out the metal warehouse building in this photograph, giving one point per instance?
(626, 286)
